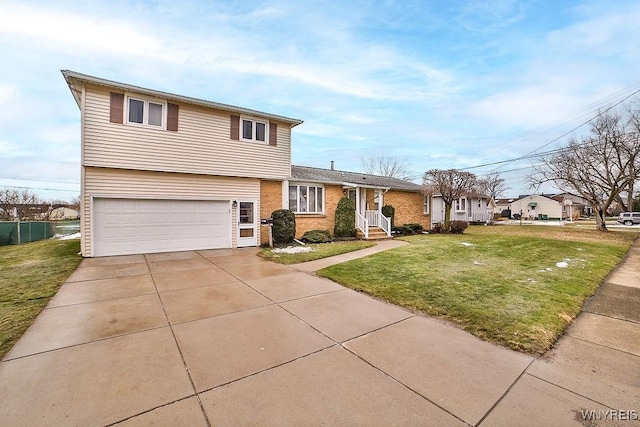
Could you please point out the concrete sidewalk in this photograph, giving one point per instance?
(226, 338)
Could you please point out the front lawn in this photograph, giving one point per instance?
(518, 286)
(318, 251)
(30, 274)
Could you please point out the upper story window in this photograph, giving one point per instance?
(135, 110)
(254, 130)
(146, 112)
(460, 205)
(425, 206)
(306, 199)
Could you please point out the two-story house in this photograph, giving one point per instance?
(162, 172)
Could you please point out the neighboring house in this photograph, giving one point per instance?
(573, 206)
(536, 206)
(63, 212)
(501, 205)
(471, 208)
(313, 194)
(163, 172)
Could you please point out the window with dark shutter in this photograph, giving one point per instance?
(235, 127)
(172, 117)
(116, 110)
(273, 134)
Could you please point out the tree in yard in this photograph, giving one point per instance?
(385, 166)
(450, 184)
(21, 204)
(598, 166)
(492, 185)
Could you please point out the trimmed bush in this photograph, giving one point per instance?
(390, 212)
(458, 227)
(317, 236)
(437, 228)
(408, 229)
(345, 219)
(284, 226)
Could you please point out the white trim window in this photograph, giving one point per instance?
(146, 112)
(306, 199)
(254, 130)
(460, 205)
(425, 205)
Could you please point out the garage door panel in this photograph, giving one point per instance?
(129, 226)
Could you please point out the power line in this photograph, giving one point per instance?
(40, 188)
(40, 180)
(600, 113)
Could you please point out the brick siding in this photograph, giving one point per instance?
(270, 200)
(409, 208)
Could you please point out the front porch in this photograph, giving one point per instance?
(371, 224)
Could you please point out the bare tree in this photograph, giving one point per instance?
(599, 166)
(493, 185)
(20, 204)
(385, 166)
(449, 184)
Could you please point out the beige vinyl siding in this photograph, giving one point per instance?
(118, 183)
(202, 144)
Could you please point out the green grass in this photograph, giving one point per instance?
(30, 274)
(321, 250)
(495, 289)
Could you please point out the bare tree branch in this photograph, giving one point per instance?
(450, 185)
(385, 166)
(599, 166)
(493, 186)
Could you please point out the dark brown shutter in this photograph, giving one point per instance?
(273, 134)
(235, 127)
(172, 117)
(116, 112)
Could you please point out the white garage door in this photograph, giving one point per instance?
(131, 226)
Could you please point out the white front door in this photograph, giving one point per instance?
(247, 224)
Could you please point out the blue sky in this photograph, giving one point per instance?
(436, 84)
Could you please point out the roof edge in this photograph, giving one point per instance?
(74, 75)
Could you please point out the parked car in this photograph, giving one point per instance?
(629, 218)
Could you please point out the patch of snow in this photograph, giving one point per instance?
(68, 236)
(293, 250)
(562, 264)
(530, 280)
(579, 249)
(478, 263)
(466, 244)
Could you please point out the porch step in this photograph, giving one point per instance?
(375, 233)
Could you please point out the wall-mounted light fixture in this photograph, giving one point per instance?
(234, 203)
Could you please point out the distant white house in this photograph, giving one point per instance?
(564, 206)
(470, 208)
(63, 212)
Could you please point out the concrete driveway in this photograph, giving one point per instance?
(223, 337)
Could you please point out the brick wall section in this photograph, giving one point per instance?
(408, 208)
(270, 200)
(306, 222)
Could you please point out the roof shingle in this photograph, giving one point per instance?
(329, 176)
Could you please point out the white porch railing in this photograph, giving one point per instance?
(373, 218)
(385, 224)
(376, 219)
(362, 224)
